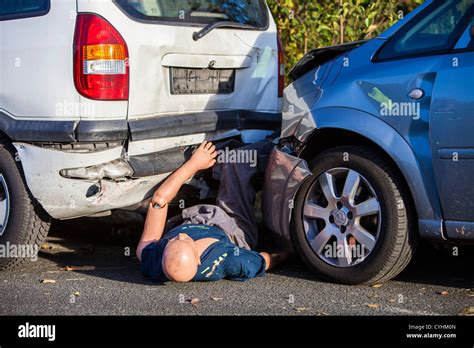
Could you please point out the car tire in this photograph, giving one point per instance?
(393, 224)
(26, 223)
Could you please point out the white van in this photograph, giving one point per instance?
(101, 99)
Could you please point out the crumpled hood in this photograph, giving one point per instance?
(317, 71)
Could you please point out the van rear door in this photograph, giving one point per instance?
(228, 75)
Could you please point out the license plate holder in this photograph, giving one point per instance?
(202, 81)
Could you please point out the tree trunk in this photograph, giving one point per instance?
(341, 22)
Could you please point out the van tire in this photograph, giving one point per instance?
(398, 237)
(28, 223)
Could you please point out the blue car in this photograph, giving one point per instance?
(377, 148)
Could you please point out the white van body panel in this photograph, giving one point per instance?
(150, 44)
(38, 96)
(202, 61)
(36, 65)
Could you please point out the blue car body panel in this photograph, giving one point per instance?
(433, 147)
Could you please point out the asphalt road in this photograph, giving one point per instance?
(435, 283)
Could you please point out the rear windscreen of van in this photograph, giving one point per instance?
(246, 12)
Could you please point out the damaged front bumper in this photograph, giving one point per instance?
(284, 175)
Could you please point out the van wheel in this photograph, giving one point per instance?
(353, 220)
(24, 225)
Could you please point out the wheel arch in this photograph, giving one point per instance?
(8, 143)
(339, 126)
(4, 138)
(328, 138)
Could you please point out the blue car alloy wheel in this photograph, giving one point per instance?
(353, 219)
(348, 221)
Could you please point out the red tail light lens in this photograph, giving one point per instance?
(281, 68)
(101, 68)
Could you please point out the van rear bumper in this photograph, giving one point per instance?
(48, 148)
(65, 198)
(137, 129)
(203, 122)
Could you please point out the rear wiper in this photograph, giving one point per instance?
(211, 26)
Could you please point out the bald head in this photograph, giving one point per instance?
(180, 259)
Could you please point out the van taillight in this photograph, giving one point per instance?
(281, 68)
(101, 69)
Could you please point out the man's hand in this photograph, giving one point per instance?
(204, 157)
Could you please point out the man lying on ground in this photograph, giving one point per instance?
(213, 242)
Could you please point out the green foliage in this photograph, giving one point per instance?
(308, 24)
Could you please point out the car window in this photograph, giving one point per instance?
(434, 30)
(466, 41)
(246, 12)
(22, 8)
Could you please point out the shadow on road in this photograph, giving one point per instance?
(440, 267)
(106, 243)
(109, 244)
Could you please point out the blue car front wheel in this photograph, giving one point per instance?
(353, 219)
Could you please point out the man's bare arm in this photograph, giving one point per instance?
(203, 158)
(156, 218)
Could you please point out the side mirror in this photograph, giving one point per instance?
(472, 30)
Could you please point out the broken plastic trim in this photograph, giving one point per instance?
(113, 170)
